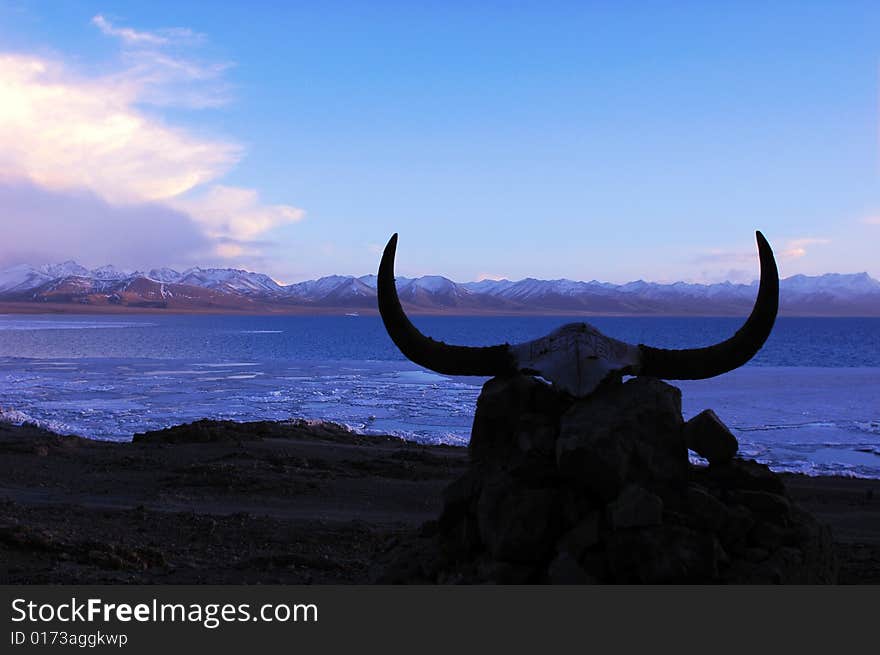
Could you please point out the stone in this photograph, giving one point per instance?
(707, 436)
(581, 537)
(463, 540)
(766, 535)
(737, 523)
(661, 555)
(577, 506)
(599, 489)
(634, 508)
(537, 436)
(630, 431)
(756, 554)
(705, 509)
(763, 502)
(517, 524)
(507, 407)
(458, 498)
(416, 563)
(500, 572)
(595, 459)
(746, 474)
(564, 569)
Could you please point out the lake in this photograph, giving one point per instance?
(808, 402)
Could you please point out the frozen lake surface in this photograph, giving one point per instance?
(110, 377)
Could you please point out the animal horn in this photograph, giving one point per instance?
(424, 351)
(699, 363)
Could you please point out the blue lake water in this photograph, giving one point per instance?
(809, 401)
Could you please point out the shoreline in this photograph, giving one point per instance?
(13, 308)
(359, 433)
(264, 502)
(830, 429)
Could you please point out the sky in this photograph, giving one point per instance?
(613, 141)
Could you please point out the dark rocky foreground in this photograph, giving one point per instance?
(212, 502)
(302, 502)
(601, 490)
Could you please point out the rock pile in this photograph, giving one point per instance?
(601, 490)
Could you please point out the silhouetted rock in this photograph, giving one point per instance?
(599, 489)
(624, 433)
(210, 431)
(635, 508)
(565, 569)
(707, 436)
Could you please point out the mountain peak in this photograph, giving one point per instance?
(109, 272)
(65, 269)
(855, 294)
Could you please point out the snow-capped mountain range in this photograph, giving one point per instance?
(69, 286)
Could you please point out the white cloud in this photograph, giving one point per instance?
(63, 132)
(735, 265)
(793, 249)
(41, 225)
(727, 257)
(66, 132)
(161, 69)
(136, 37)
(797, 248)
(232, 213)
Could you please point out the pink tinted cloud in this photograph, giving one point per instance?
(61, 131)
(43, 226)
(69, 134)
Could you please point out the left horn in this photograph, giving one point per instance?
(424, 351)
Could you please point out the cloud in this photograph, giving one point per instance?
(722, 264)
(162, 80)
(76, 135)
(236, 213)
(727, 257)
(135, 37)
(793, 249)
(64, 132)
(79, 224)
(797, 248)
(872, 220)
(735, 275)
(160, 68)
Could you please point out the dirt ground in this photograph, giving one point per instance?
(269, 503)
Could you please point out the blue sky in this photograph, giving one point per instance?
(609, 141)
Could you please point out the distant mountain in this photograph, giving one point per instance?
(69, 285)
(229, 280)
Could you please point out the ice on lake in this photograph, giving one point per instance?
(107, 377)
(809, 420)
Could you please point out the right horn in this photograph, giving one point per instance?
(699, 363)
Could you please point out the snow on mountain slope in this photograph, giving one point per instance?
(488, 286)
(21, 278)
(433, 290)
(163, 275)
(845, 294)
(65, 269)
(109, 272)
(229, 279)
(316, 289)
(833, 283)
(372, 281)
